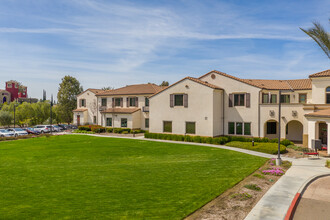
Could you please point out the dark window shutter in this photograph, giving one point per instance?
(121, 102)
(230, 100)
(127, 102)
(113, 102)
(185, 100)
(247, 104)
(171, 100)
(137, 101)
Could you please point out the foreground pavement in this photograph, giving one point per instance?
(276, 202)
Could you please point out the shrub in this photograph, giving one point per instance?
(327, 163)
(188, 138)
(84, 128)
(124, 132)
(296, 148)
(275, 140)
(209, 140)
(286, 142)
(109, 130)
(270, 148)
(83, 132)
(253, 187)
(276, 171)
(265, 139)
(197, 139)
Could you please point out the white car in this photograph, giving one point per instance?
(17, 131)
(5, 133)
(42, 128)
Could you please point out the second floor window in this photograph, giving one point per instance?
(146, 101)
(302, 98)
(117, 102)
(269, 98)
(132, 101)
(82, 102)
(178, 100)
(239, 99)
(104, 102)
(327, 95)
(285, 98)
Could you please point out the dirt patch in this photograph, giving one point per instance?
(238, 201)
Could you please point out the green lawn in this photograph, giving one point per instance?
(84, 177)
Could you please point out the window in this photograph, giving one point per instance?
(83, 102)
(117, 101)
(285, 98)
(104, 102)
(271, 127)
(146, 101)
(146, 122)
(328, 95)
(124, 122)
(239, 128)
(109, 122)
(231, 127)
(247, 128)
(16, 85)
(132, 101)
(167, 126)
(273, 98)
(302, 98)
(239, 99)
(178, 100)
(94, 119)
(190, 127)
(9, 85)
(266, 99)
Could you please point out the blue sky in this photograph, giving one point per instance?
(116, 43)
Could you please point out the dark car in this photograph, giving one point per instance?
(63, 126)
(31, 131)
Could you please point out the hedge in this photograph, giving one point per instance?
(23, 137)
(269, 148)
(100, 129)
(210, 140)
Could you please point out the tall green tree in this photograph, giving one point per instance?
(67, 97)
(6, 118)
(320, 36)
(164, 83)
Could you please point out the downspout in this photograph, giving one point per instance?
(259, 114)
(223, 112)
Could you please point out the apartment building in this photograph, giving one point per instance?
(126, 107)
(218, 104)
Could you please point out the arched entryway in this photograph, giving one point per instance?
(271, 129)
(294, 131)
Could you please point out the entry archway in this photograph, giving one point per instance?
(294, 131)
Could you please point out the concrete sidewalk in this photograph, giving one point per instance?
(275, 203)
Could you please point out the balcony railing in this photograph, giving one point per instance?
(145, 108)
(102, 108)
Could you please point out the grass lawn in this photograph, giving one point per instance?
(84, 177)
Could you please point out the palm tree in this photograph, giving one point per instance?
(320, 36)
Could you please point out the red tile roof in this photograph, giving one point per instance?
(322, 113)
(137, 89)
(325, 73)
(95, 91)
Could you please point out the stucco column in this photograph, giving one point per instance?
(311, 132)
(328, 143)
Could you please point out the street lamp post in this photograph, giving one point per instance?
(279, 160)
(51, 119)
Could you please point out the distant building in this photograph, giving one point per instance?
(5, 96)
(15, 91)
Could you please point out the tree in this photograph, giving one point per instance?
(164, 83)
(6, 118)
(67, 97)
(320, 36)
(108, 88)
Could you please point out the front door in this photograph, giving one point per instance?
(78, 120)
(323, 133)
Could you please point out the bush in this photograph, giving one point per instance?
(109, 130)
(83, 132)
(197, 139)
(241, 196)
(253, 187)
(327, 163)
(286, 142)
(269, 148)
(124, 132)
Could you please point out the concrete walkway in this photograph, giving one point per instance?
(275, 203)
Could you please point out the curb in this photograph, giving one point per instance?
(290, 213)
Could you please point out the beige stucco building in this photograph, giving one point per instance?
(218, 104)
(126, 107)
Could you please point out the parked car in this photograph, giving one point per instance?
(63, 126)
(6, 133)
(31, 131)
(58, 128)
(17, 131)
(42, 128)
(73, 127)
